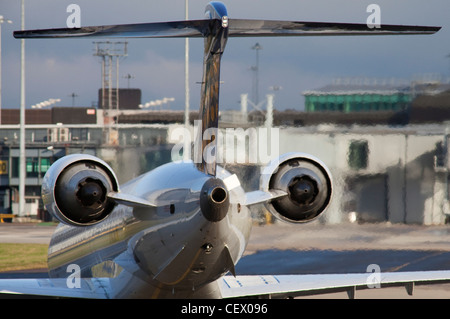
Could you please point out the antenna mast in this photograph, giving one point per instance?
(108, 52)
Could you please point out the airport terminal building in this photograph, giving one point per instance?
(389, 162)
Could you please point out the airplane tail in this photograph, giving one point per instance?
(216, 30)
(215, 41)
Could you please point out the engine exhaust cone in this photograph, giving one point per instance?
(91, 192)
(214, 200)
(303, 190)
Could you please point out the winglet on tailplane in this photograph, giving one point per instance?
(216, 30)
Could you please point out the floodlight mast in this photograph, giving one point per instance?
(107, 51)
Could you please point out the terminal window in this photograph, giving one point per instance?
(358, 154)
(32, 167)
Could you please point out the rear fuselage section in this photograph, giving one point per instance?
(171, 247)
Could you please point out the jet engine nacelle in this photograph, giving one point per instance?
(75, 189)
(307, 182)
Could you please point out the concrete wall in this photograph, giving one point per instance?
(400, 170)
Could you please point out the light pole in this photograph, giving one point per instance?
(186, 85)
(128, 77)
(2, 20)
(448, 57)
(22, 159)
(255, 68)
(73, 96)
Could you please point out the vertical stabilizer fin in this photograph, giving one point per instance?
(215, 40)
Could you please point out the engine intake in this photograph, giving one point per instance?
(307, 182)
(75, 189)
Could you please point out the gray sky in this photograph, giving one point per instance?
(56, 68)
